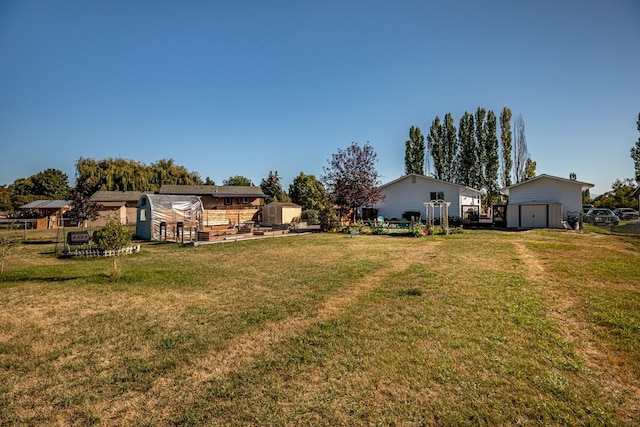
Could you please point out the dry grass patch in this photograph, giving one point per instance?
(478, 328)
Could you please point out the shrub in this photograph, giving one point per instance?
(312, 216)
(329, 220)
(408, 214)
(112, 237)
(455, 221)
(418, 230)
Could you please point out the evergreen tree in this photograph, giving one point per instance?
(505, 137)
(414, 153)
(467, 156)
(272, 188)
(635, 154)
(238, 180)
(435, 141)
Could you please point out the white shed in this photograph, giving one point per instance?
(411, 192)
(543, 201)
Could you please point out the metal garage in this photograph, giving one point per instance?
(535, 215)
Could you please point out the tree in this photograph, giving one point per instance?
(238, 180)
(129, 175)
(450, 148)
(505, 138)
(529, 170)
(209, 181)
(573, 176)
(50, 184)
(308, 192)
(352, 179)
(83, 209)
(467, 156)
(620, 195)
(6, 243)
(114, 175)
(520, 151)
(167, 172)
(481, 142)
(414, 152)
(272, 188)
(114, 237)
(492, 159)
(635, 154)
(5, 198)
(435, 141)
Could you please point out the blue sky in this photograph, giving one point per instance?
(244, 87)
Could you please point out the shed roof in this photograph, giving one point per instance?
(116, 196)
(214, 190)
(583, 185)
(285, 204)
(47, 204)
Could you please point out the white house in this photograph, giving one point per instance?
(411, 192)
(543, 201)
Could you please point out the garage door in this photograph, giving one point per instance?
(533, 216)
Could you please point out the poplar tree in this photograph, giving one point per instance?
(505, 137)
(481, 137)
(520, 151)
(467, 156)
(492, 159)
(414, 153)
(435, 141)
(450, 145)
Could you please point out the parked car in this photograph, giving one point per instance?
(585, 208)
(601, 216)
(626, 213)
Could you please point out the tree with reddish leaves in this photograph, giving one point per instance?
(352, 179)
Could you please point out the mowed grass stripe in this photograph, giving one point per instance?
(324, 330)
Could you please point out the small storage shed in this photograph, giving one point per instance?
(48, 213)
(122, 204)
(280, 213)
(156, 210)
(543, 201)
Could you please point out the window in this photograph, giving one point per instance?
(243, 200)
(143, 215)
(413, 179)
(228, 201)
(437, 195)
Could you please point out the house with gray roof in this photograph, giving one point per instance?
(236, 204)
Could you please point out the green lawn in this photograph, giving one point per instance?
(480, 328)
